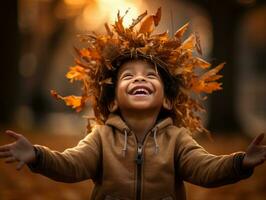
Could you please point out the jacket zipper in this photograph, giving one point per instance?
(139, 161)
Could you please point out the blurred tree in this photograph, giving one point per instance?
(9, 77)
(40, 96)
(225, 16)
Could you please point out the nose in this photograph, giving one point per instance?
(139, 78)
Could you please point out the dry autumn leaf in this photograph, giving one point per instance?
(206, 83)
(73, 101)
(180, 32)
(107, 28)
(189, 43)
(201, 63)
(150, 22)
(77, 73)
(136, 21)
(157, 16)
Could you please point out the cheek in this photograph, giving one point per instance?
(160, 89)
(122, 86)
(120, 90)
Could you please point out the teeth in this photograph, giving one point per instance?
(141, 91)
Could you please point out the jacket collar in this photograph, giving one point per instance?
(117, 122)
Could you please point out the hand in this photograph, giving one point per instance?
(255, 154)
(21, 151)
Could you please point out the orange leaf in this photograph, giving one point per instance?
(84, 53)
(147, 26)
(162, 37)
(73, 101)
(202, 63)
(180, 32)
(150, 22)
(77, 73)
(210, 87)
(54, 94)
(208, 75)
(119, 24)
(206, 83)
(157, 16)
(109, 32)
(136, 21)
(189, 43)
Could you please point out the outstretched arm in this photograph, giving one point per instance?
(198, 166)
(73, 165)
(21, 151)
(255, 154)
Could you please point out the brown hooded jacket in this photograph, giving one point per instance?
(123, 168)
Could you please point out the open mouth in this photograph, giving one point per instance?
(140, 91)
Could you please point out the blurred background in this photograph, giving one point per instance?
(37, 39)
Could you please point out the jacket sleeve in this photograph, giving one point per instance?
(199, 167)
(72, 165)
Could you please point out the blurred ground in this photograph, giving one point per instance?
(28, 186)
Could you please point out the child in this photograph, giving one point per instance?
(143, 148)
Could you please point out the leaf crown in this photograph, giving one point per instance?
(99, 60)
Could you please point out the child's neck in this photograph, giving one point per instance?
(140, 122)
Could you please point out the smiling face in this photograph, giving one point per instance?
(139, 87)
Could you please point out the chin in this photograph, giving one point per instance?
(145, 107)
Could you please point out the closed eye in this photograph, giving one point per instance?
(126, 76)
(152, 75)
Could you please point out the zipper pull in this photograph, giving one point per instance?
(139, 158)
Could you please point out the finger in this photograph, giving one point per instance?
(20, 165)
(5, 154)
(10, 160)
(6, 147)
(13, 134)
(258, 139)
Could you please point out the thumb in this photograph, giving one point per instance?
(20, 165)
(13, 134)
(257, 140)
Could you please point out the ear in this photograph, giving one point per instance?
(113, 106)
(167, 104)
